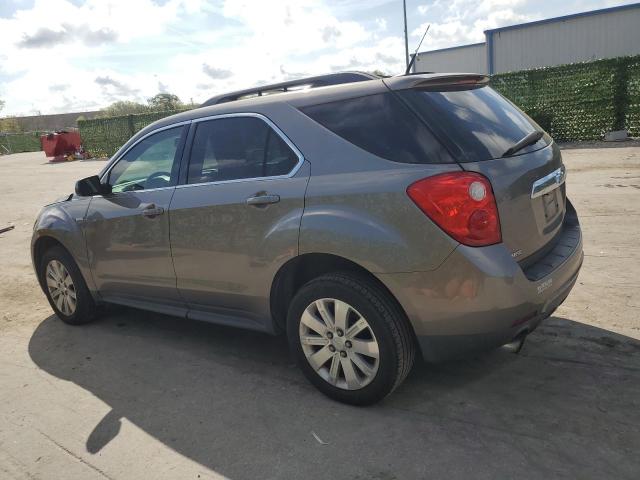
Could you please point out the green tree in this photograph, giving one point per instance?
(121, 108)
(164, 101)
(10, 125)
(1, 104)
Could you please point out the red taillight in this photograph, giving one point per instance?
(462, 204)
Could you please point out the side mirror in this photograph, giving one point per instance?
(90, 186)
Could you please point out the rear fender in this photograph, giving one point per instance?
(367, 240)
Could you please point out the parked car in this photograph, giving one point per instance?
(371, 221)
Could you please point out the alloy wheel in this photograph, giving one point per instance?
(339, 344)
(61, 288)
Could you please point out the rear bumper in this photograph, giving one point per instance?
(480, 298)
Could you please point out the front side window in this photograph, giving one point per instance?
(151, 163)
(238, 147)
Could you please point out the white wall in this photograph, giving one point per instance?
(468, 59)
(581, 38)
(577, 39)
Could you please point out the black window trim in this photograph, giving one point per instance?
(183, 181)
(185, 151)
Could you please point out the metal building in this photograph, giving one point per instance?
(468, 58)
(607, 33)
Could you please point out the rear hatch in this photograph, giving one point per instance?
(480, 128)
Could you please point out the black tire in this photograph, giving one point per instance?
(386, 320)
(85, 309)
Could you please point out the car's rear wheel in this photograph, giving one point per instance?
(350, 338)
(65, 288)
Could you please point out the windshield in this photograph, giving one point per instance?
(476, 123)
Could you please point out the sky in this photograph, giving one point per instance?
(80, 55)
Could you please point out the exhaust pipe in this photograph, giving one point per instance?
(515, 345)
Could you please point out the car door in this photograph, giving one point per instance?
(127, 231)
(237, 218)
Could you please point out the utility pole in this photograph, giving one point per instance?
(406, 34)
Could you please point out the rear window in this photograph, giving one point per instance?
(382, 125)
(477, 123)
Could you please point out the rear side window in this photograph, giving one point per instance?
(476, 122)
(238, 147)
(382, 125)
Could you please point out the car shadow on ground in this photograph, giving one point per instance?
(232, 400)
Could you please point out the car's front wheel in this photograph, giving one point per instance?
(350, 338)
(65, 288)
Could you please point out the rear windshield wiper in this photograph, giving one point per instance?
(530, 139)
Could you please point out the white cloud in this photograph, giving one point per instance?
(283, 40)
(57, 41)
(464, 21)
(59, 56)
(294, 26)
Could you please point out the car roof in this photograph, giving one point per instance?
(302, 98)
(291, 85)
(313, 96)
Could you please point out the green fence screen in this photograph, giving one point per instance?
(581, 101)
(19, 142)
(102, 137)
(632, 119)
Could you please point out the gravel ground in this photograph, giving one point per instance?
(140, 395)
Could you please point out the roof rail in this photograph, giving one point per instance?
(308, 82)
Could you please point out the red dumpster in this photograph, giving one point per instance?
(60, 143)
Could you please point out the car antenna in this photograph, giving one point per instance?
(413, 58)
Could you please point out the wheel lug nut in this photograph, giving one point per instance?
(343, 353)
(347, 344)
(329, 335)
(332, 348)
(339, 332)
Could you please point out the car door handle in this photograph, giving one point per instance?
(259, 200)
(151, 211)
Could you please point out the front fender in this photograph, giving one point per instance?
(62, 222)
